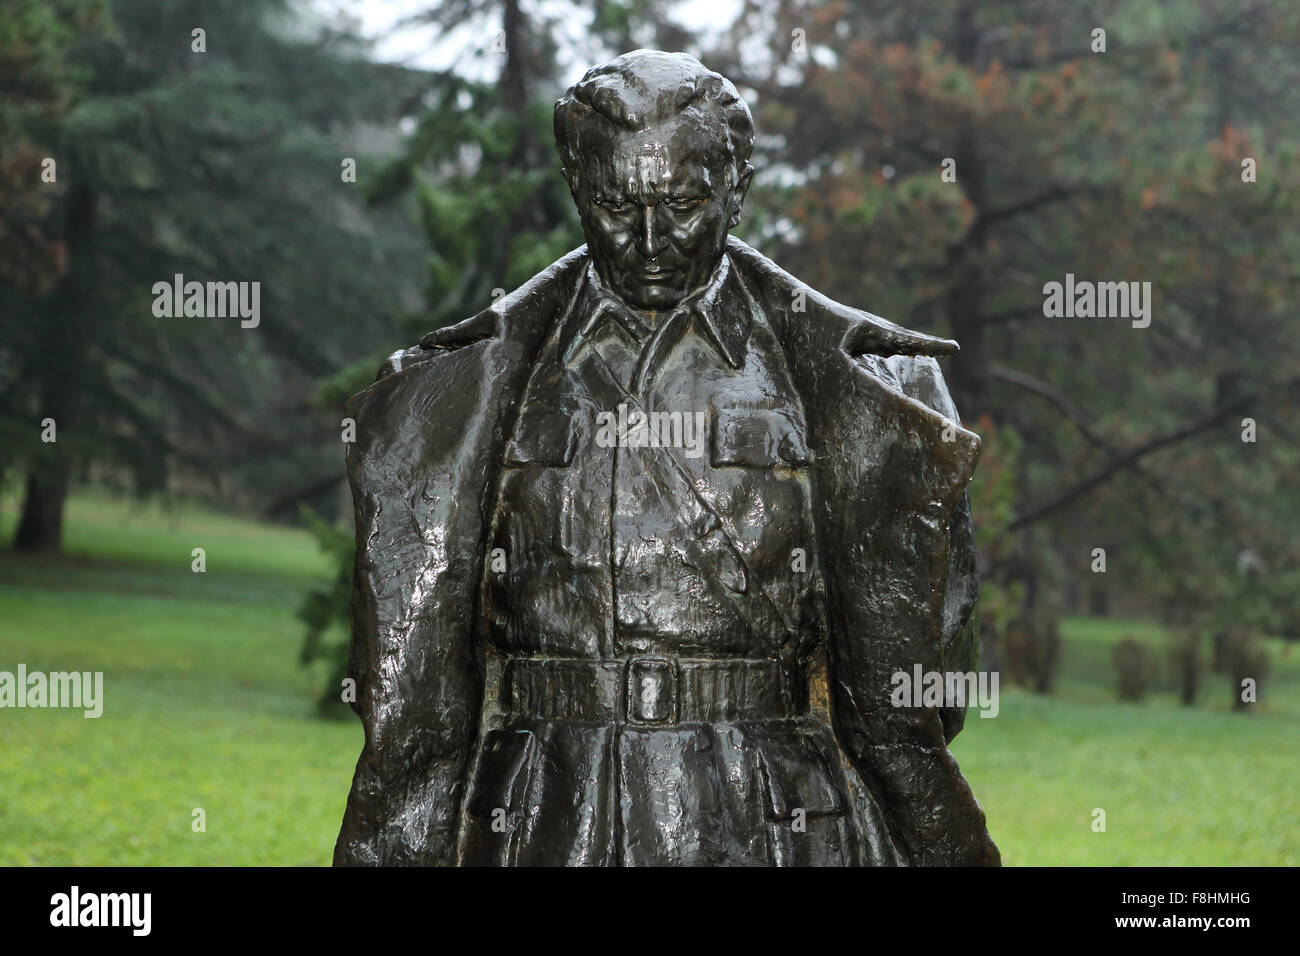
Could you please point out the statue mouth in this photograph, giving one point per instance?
(653, 272)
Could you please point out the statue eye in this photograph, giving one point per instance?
(684, 204)
(614, 205)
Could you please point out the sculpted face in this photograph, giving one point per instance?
(656, 205)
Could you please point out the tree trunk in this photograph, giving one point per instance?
(65, 329)
(40, 528)
(970, 368)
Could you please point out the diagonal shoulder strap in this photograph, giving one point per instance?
(703, 547)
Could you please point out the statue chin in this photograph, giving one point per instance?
(651, 297)
(667, 290)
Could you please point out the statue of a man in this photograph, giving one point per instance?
(606, 526)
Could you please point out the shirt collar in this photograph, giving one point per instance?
(724, 320)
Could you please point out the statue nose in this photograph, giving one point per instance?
(650, 239)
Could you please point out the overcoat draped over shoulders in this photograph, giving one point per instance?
(890, 465)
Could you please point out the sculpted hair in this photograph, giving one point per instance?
(645, 87)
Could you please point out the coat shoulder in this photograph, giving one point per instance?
(513, 314)
(515, 321)
(803, 313)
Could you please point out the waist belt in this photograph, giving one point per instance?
(646, 690)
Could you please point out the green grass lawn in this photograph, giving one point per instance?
(207, 707)
(1180, 786)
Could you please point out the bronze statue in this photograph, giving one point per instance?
(606, 526)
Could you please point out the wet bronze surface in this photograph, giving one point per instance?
(607, 527)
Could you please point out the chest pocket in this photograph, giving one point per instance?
(545, 435)
(759, 438)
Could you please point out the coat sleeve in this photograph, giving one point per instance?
(920, 378)
(414, 655)
(893, 487)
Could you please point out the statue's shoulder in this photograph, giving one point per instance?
(522, 315)
(448, 365)
(901, 358)
(804, 315)
(428, 398)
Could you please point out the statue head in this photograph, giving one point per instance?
(656, 153)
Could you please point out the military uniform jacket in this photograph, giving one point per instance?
(485, 743)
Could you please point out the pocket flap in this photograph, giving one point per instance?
(798, 778)
(501, 779)
(758, 438)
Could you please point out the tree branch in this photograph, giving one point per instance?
(1129, 458)
(1076, 417)
(1055, 194)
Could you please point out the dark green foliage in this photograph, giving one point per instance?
(491, 203)
(324, 607)
(1135, 667)
(221, 166)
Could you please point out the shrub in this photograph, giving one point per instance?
(324, 611)
(1244, 657)
(1136, 667)
(1187, 664)
(1031, 650)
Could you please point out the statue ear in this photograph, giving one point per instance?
(570, 177)
(739, 192)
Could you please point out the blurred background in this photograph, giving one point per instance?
(382, 167)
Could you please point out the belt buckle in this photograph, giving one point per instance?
(650, 691)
